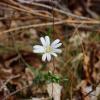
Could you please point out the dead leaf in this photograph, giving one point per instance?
(54, 91)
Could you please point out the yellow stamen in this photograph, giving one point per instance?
(48, 49)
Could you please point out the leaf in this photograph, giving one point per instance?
(54, 91)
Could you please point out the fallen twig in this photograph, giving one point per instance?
(11, 94)
(12, 77)
(51, 23)
(28, 10)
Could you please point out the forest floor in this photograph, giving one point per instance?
(74, 74)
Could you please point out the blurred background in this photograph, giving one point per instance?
(23, 75)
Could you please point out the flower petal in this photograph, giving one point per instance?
(43, 41)
(54, 54)
(57, 45)
(47, 39)
(44, 57)
(55, 42)
(38, 49)
(57, 50)
(48, 57)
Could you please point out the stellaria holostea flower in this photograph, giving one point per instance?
(47, 49)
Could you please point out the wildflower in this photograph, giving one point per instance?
(47, 49)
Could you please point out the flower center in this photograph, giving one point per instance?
(48, 49)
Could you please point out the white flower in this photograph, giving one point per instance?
(47, 49)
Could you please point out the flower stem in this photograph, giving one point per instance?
(53, 73)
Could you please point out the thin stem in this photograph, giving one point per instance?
(53, 73)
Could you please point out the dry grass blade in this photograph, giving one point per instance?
(50, 24)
